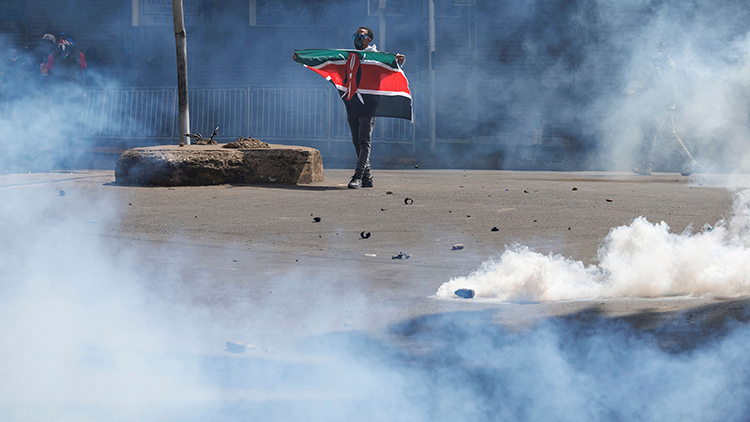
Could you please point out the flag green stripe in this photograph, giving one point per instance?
(319, 57)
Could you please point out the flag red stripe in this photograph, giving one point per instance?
(374, 77)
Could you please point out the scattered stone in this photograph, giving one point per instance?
(364, 235)
(495, 229)
(238, 347)
(390, 192)
(575, 188)
(608, 200)
(408, 201)
(247, 143)
(525, 191)
(457, 247)
(401, 255)
(464, 293)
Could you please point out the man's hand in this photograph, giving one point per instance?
(400, 58)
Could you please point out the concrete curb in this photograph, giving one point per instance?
(200, 165)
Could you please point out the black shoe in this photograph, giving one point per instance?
(355, 183)
(367, 182)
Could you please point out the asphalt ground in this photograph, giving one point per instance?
(274, 266)
(266, 238)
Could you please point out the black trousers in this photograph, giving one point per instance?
(361, 127)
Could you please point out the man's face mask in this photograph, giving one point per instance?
(359, 40)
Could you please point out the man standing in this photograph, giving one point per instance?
(360, 115)
(658, 94)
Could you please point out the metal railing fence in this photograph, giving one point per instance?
(227, 108)
(130, 113)
(290, 113)
(266, 113)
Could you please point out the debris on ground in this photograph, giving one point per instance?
(408, 201)
(608, 200)
(390, 192)
(246, 143)
(457, 247)
(464, 293)
(199, 138)
(525, 191)
(238, 347)
(364, 235)
(370, 255)
(62, 193)
(316, 220)
(575, 188)
(495, 229)
(401, 255)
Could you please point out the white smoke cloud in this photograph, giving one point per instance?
(79, 328)
(638, 260)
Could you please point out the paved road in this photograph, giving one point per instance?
(259, 237)
(252, 264)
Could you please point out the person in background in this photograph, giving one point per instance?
(47, 45)
(361, 122)
(67, 99)
(15, 69)
(659, 100)
(66, 63)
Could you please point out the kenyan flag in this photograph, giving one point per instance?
(371, 83)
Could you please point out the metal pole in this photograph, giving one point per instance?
(381, 29)
(180, 38)
(431, 15)
(135, 13)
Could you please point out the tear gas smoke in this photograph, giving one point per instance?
(86, 335)
(504, 71)
(639, 260)
(45, 120)
(90, 331)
